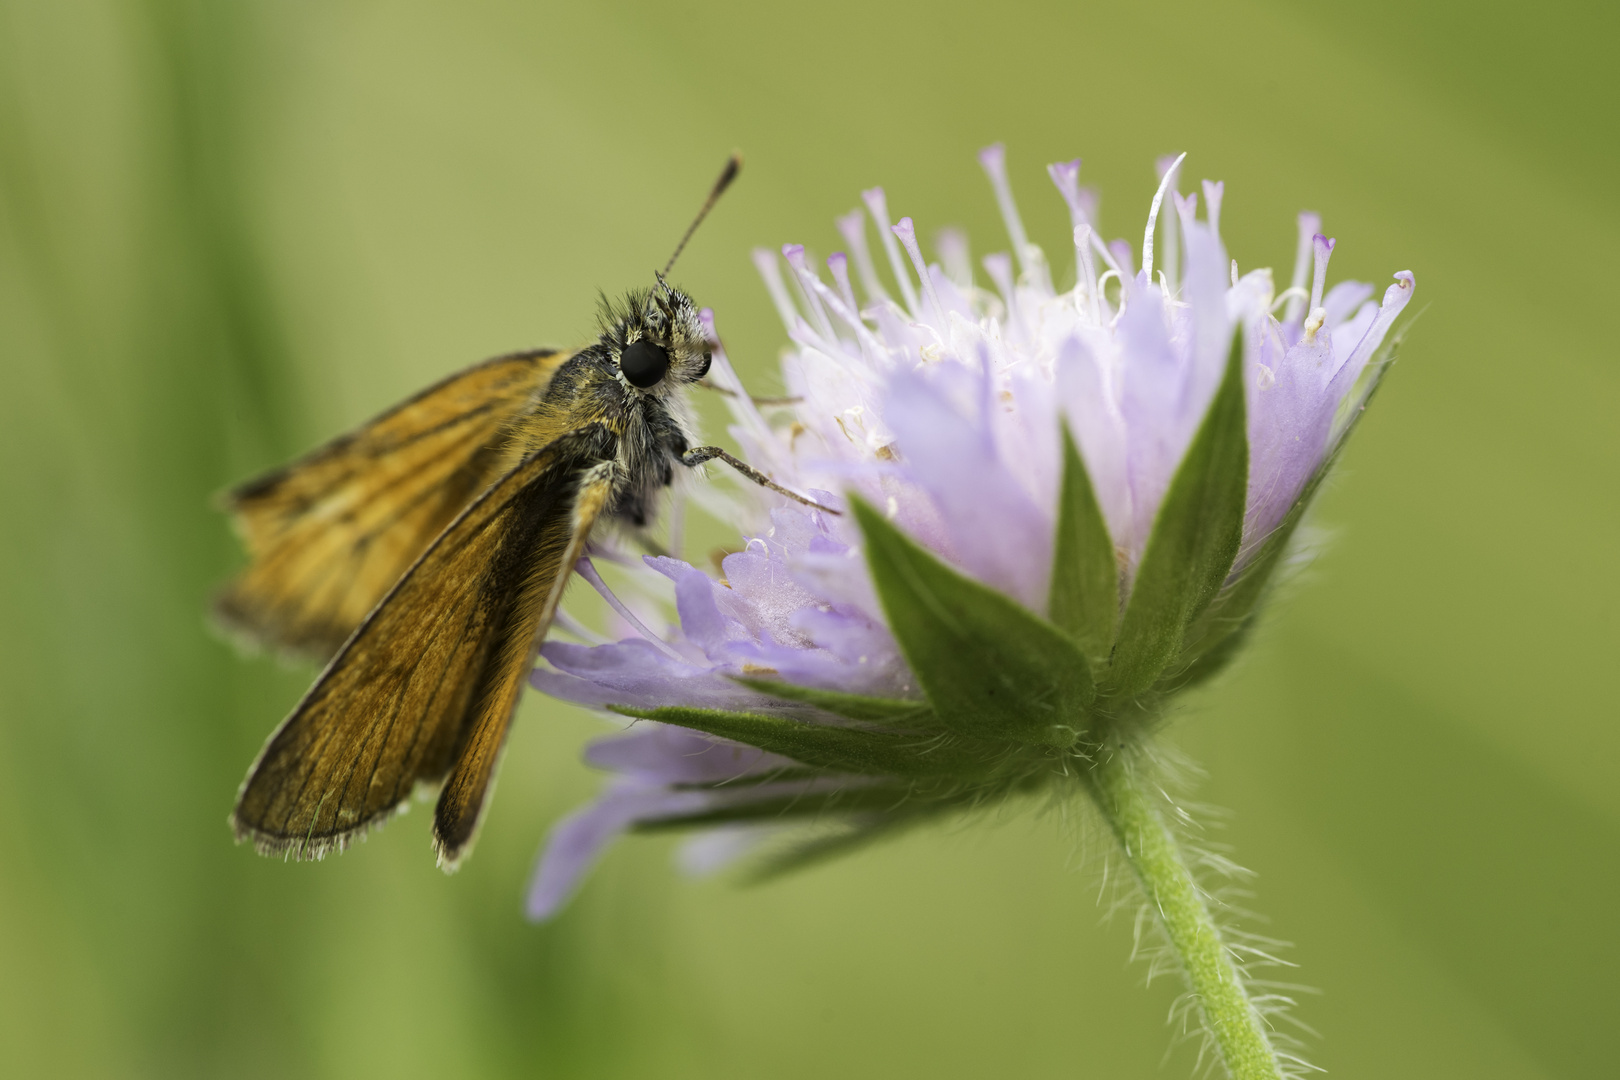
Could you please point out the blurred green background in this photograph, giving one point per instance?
(228, 230)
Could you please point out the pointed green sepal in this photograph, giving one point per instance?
(817, 849)
(851, 706)
(855, 750)
(1194, 541)
(866, 803)
(1220, 632)
(990, 667)
(1085, 574)
(860, 797)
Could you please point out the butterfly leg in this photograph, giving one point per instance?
(698, 455)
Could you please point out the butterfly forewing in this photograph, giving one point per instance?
(428, 682)
(558, 546)
(330, 534)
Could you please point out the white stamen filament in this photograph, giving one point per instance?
(1213, 190)
(838, 265)
(1322, 247)
(568, 624)
(907, 233)
(1309, 225)
(805, 335)
(587, 570)
(1153, 213)
(1066, 178)
(999, 267)
(794, 254)
(1087, 270)
(765, 263)
(1102, 285)
(878, 204)
(871, 347)
(1123, 259)
(852, 226)
(993, 159)
(952, 245)
(1292, 293)
(724, 376)
(676, 542)
(1110, 258)
(1172, 239)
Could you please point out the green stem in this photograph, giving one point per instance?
(1127, 800)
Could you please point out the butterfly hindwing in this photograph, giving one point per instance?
(426, 686)
(330, 534)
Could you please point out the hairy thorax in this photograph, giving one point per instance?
(644, 432)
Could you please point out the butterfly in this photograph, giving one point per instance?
(426, 552)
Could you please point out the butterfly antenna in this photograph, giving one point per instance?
(727, 175)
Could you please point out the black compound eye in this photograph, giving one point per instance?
(644, 363)
(708, 358)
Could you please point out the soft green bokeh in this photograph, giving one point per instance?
(227, 230)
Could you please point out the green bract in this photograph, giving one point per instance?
(1194, 541)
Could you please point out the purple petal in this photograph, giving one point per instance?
(661, 753)
(854, 654)
(577, 841)
(1186, 207)
(1344, 299)
(1348, 333)
(992, 525)
(633, 673)
(763, 590)
(1092, 407)
(1209, 328)
(949, 293)
(712, 850)
(701, 619)
(1396, 297)
(1288, 432)
(1153, 384)
(1293, 417)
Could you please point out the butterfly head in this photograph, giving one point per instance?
(657, 341)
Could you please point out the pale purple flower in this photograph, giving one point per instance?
(938, 401)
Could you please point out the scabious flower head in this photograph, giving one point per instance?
(1057, 508)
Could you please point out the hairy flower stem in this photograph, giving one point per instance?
(1121, 785)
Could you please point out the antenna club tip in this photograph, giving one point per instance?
(729, 173)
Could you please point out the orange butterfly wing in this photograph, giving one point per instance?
(427, 685)
(330, 534)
